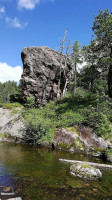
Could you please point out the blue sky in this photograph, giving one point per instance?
(25, 23)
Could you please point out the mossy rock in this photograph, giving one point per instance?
(79, 145)
(109, 154)
(2, 135)
(65, 145)
(109, 158)
(98, 150)
(85, 171)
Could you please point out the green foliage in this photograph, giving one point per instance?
(83, 108)
(72, 129)
(30, 102)
(2, 135)
(88, 109)
(65, 145)
(78, 144)
(76, 59)
(86, 166)
(6, 90)
(89, 78)
(70, 118)
(10, 92)
(109, 152)
(76, 56)
(96, 75)
(100, 150)
(102, 28)
(11, 105)
(100, 123)
(1, 104)
(40, 129)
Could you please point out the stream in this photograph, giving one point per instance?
(35, 173)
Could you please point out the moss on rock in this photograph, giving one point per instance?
(78, 144)
(85, 171)
(65, 145)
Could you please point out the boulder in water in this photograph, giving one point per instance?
(85, 171)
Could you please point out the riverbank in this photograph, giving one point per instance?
(61, 124)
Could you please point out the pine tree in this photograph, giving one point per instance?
(102, 28)
(76, 59)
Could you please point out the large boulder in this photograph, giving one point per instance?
(12, 126)
(46, 73)
(85, 171)
(80, 139)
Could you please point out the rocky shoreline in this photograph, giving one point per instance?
(77, 138)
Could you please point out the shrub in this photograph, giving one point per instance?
(109, 152)
(30, 102)
(87, 109)
(38, 128)
(70, 118)
(98, 121)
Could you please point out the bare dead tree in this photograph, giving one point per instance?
(62, 43)
(69, 46)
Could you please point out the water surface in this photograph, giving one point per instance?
(36, 174)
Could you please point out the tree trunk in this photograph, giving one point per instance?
(59, 82)
(75, 78)
(66, 81)
(64, 90)
(110, 78)
(89, 163)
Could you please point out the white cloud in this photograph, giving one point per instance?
(14, 22)
(2, 9)
(30, 4)
(10, 73)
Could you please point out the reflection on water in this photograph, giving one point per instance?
(36, 173)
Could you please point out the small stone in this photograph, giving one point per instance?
(7, 194)
(71, 149)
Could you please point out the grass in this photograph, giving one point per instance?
(72, 129)
(86, 166)
(2, 135)
(10, 105)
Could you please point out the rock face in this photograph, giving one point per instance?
(67, 140)
(42, 76)
(11, 125)
(85, 171)
(90, 139)
(80, 139)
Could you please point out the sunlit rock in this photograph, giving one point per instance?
(85, 171)
(46, 73)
